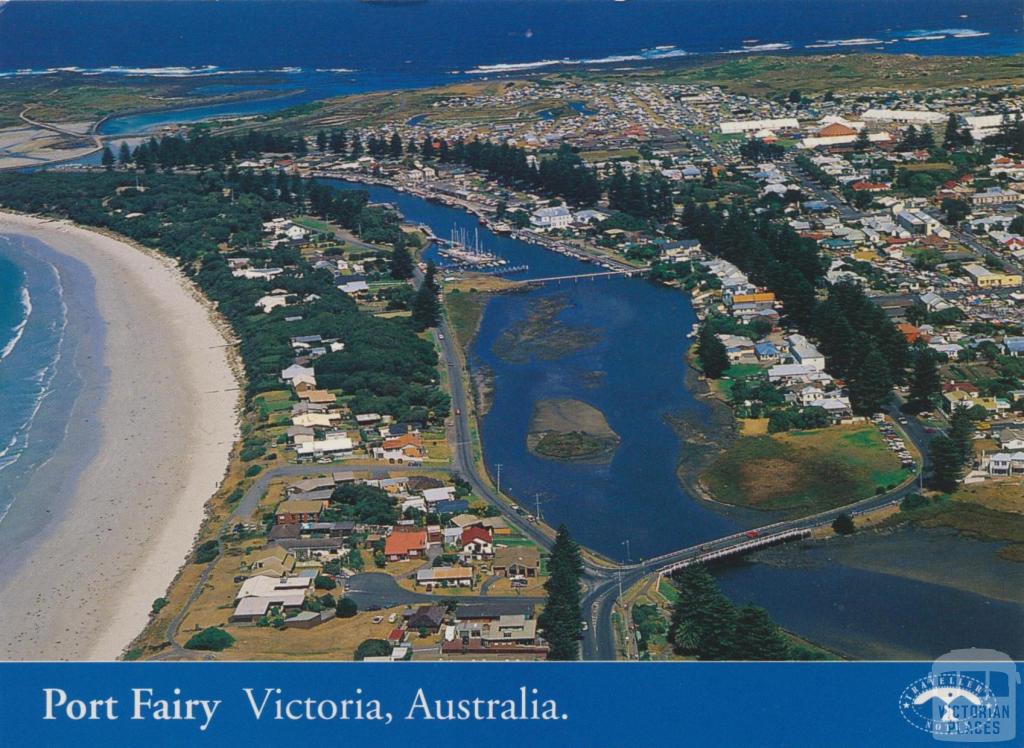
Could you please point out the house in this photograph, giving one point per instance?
(295, 370)
(552, 218)
(445, 576)
(804, 353)
(516, 562)
(331, 445)
(308, 485)
(1006, 463)
(516, 629)
(985, 278)
(477, 543)
(277, 563)
(404, 544)
(428, 617)
(1011, 440)
(307, 619)
(297, 511)
(767, 352)
(1014, 345)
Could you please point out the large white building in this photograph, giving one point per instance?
(904, 116)
(738, 126)
(559, 217)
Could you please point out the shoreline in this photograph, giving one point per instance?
(101, 528)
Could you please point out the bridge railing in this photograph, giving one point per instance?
(747, 547)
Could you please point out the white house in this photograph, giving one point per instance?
(558, 217)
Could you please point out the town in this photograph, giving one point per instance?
(854, 258)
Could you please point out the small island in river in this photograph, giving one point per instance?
(570, 430)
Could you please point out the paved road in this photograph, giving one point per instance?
(375, 590)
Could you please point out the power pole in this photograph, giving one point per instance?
(536, 501)
(626, 543)
(498, 467)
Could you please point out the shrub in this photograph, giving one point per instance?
(346, 607)
(913, 501)
(210, 639)
(843, 524)
(372, 648)
(206, 552)
(324, 583)
(159, 604)
(253, 470)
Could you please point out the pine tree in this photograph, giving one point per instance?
(107, 158)
(946, 463)
(757, 637)
(426, 308)
(961, 432)
(716, 627)
(401, 262)
(125, 154)
(395, 148)
(714, 359)
(925, 384)
(321, 141)
(870, 386)
(560, 619)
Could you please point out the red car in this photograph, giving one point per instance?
(751, 533)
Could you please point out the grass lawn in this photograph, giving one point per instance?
(993, 510)
(465, 309)
(668, 591)
(597, 156)
(803, 472)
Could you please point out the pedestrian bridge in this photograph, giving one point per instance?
(585, 276)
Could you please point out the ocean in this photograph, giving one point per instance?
(439, 38)
(33, 320)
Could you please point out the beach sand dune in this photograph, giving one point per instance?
(167, 411)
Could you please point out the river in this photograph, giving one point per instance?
(633, 335)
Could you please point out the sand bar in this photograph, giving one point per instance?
(165, 404)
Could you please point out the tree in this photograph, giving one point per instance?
(694, 587)
(870, 386)
(757, 637)
(395, 146)
(323, 582)
(107, 158)
(401, 262)
(346, 607)
(211, 640)
(714, 359)
(560, 619)
(125, 154)
(955, 210)
(961, 432)
(426, 308)
(925, 383)
(946, 463)
(321, 141)
(372, 648)
(843, 524)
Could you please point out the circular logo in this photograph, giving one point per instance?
(947, 704)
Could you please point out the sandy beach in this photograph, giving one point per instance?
(99, 531)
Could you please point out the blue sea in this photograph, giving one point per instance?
(32, 324)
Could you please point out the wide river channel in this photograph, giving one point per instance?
(618, 344)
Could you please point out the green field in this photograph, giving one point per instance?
(803, 472)
(465, 309)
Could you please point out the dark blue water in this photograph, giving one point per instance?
(306, 51)
(640, 354)
(870, 615)
(859, 613)
(444, 35)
